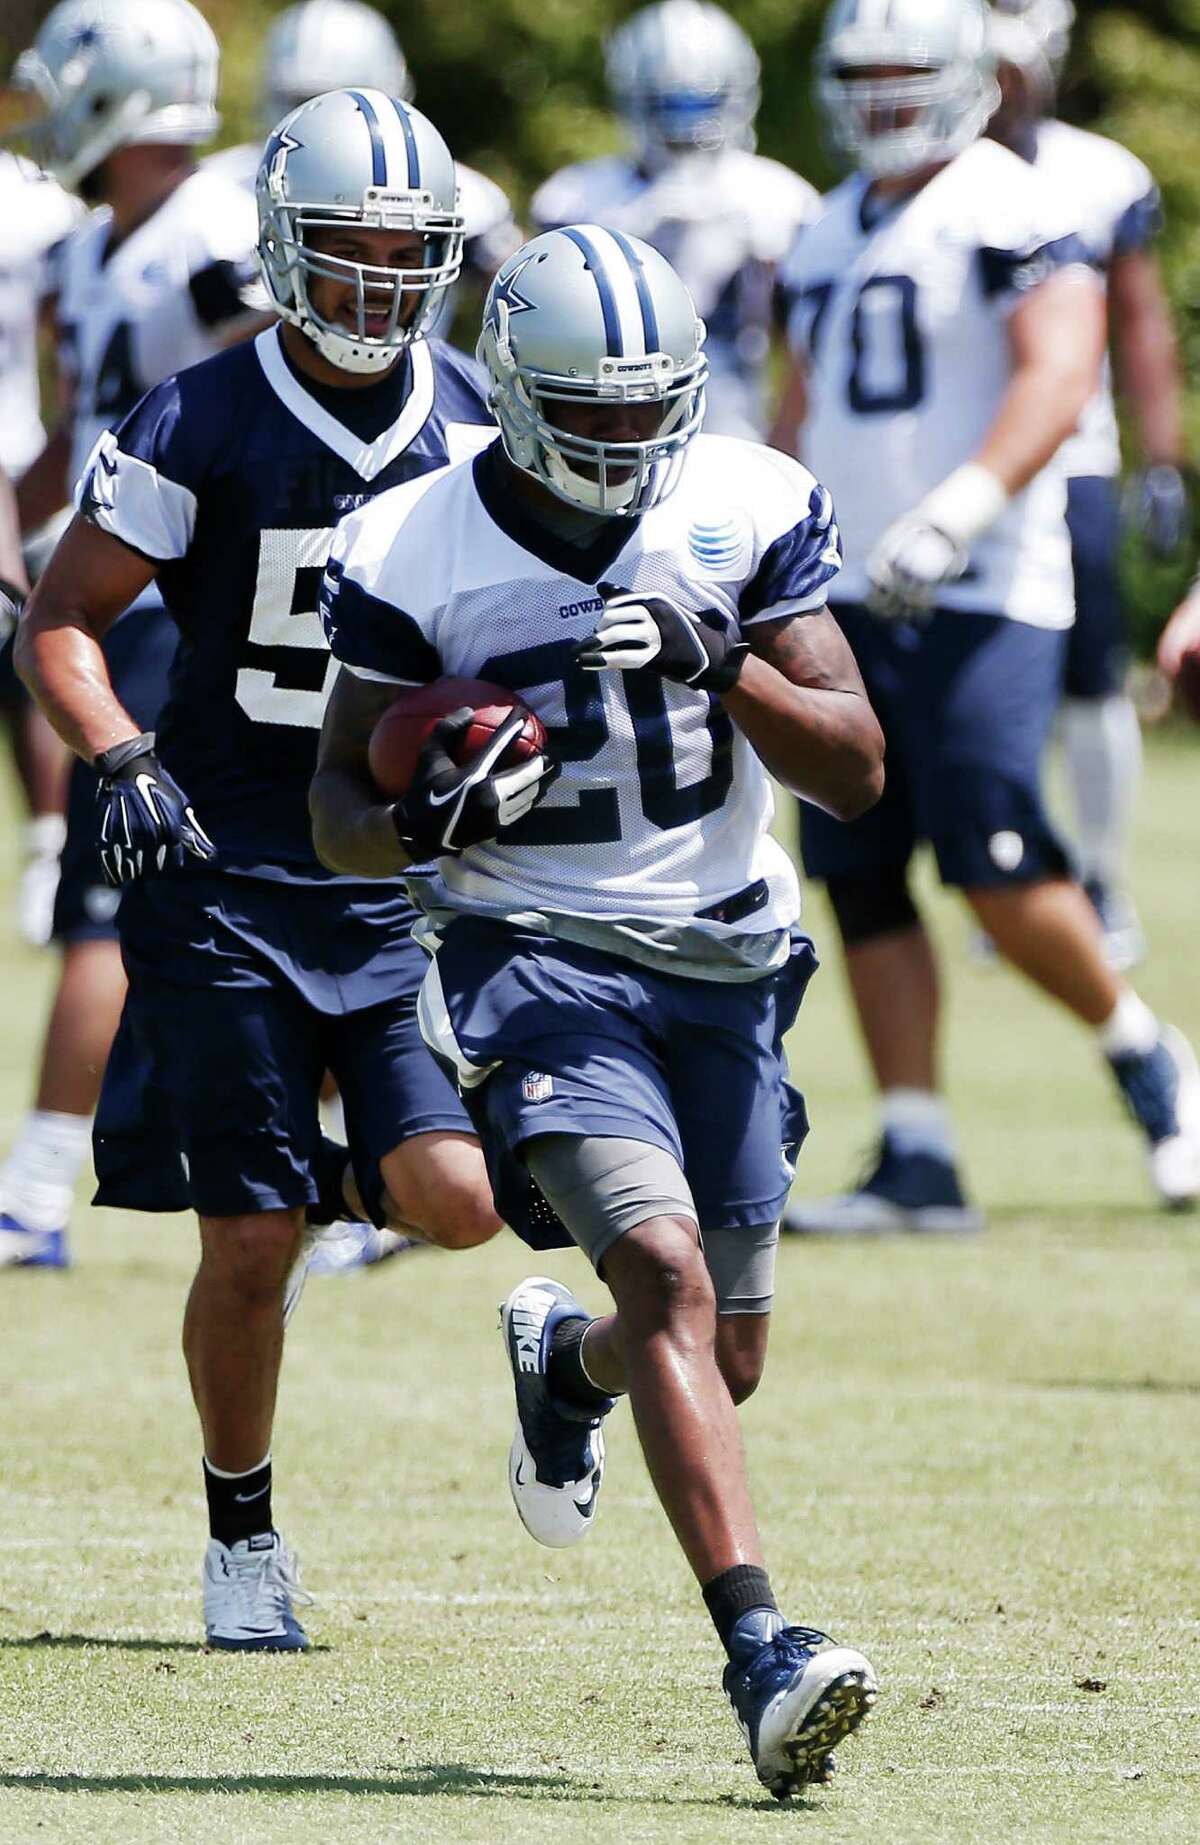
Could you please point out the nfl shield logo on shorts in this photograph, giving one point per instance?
(537, 1086)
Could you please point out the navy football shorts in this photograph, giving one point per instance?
(1097, 647)
(967, 703)
(139, 649)
(584, 1042)
(242, 994)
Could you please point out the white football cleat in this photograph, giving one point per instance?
(249, 1595)
(1162, 1092)
(556, 1462)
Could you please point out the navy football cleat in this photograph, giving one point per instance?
(556, 1462)
(250, 1591)
(902, 1192)
(1162, 1092)
(796, 1696)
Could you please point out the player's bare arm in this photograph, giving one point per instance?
(792, 413)
(91, 579)
(801, 701)
(1146, 354)
(352, 825)
(1056, 342)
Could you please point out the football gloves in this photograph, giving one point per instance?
(451, 806)
(637, 631)
(1158, 505)
(909, 565)
(146, 823)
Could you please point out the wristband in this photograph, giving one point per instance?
(965, 504)
(112, 761)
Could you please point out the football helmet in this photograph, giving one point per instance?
(105, 74)
(329, 45)
(683, 76)
(888, 126)
(1035, 36)
(365, 158)
(588, 316)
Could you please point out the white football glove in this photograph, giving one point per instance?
(909, 565)
(931, 545)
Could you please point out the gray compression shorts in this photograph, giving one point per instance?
(602, 1188)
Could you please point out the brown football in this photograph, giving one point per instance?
(401, 733)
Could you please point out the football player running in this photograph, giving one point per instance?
(613, 974)
(683, 77)
(157, 277)
(1119, 214)
(948, 335)
(251, 971)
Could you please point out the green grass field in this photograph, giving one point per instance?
(979, 1463)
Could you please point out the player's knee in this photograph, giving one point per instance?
(869, 904)
(664, 1283)
(462, 1217)
(250, 1256)
(742, 1354)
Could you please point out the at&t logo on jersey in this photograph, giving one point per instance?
(721, 546)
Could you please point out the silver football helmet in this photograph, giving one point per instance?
(584, 316)
(888, 126)
(329, 45)
(1035, 36)
(105, 74)
(683, 75)
(364, 158)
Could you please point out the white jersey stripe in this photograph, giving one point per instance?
(623, 286)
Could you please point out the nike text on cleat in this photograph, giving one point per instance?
(795, 1697)
(1161, 1088)
(902, 1192)
(556, 1462)
(23, 1247)
(249, 1595)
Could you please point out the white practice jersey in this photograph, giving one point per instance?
(1119, 209)
(35, 214)
(724, 222)
(162, 300)
(662, 809)
(902, 321)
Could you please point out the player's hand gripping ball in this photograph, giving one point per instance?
(465, 759)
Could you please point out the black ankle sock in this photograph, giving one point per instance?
(239, 1507)
(734, 1593)
(565, 1373)
(329, 1171)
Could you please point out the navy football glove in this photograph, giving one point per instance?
(450, 807)
(637, 631)
(146, 821)
(1158, 503)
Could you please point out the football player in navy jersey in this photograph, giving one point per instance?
(252, 971)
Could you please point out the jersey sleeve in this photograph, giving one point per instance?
(1139, 209)
(798, 548)
(367, 629)
(140, 482)
(1027, 237)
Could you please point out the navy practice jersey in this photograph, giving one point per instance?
(232, 477)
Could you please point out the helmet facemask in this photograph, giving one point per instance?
(896, 124)
(385, 319)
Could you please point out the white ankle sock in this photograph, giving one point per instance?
(1103, 744)
(918, 1121)
(1131, 1029)
(37, 1184)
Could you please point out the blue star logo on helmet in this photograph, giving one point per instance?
(505, 290)
(276, 152)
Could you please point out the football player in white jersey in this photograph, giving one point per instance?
(344, 44)
(684, 79)
(613, 971)
(948, 334)
(1119, 215)
(35, 214)
(160, 275)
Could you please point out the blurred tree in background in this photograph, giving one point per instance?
(517, 86)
